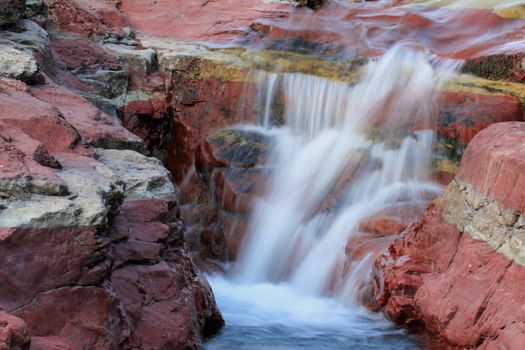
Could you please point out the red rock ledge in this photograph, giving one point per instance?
(458, 272)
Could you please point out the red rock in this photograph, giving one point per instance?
(91, 316)
(208, 20)
(382, 227)
(14, 333)
(462, 116)
(494, 150)
(235, 229)
(236, 191)
(201, 106)
(359, 245)
(51, 259)
(51, 343)
(155, 281)
(59, 278)
(231, 164)
(96, 127)
(417, 251)
(445, 273)
(85, 316)
(83, 54)
(59, 119)
(38, 119)
(155, 109)
(96, 17)
(26, 161)
(508, 338)
(156, 297)
(455, 302)
(135, 251)
(393, 220)
(442, 177)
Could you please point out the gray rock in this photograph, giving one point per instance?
(27, 36)
(143, 177)
(11, 11)
(35, 8)
(17, 64)
(143, 61)
(91, 196)
(91, 190)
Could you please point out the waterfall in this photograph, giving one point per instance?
(333, 169)
(341, 153)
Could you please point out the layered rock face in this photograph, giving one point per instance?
(92, 247)
(93, 252)
(456, 271)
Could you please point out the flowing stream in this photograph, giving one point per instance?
(343, 152)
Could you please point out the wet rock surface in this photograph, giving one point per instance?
(232, 167)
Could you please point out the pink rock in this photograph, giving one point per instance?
(96, 17)
(441, 278)
(495, 151)
(14, 333)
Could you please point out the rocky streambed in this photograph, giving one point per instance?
(125, 176)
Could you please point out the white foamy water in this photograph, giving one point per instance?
(267, 316)
(324, 148)
(342, 153)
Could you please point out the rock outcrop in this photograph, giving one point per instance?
(92, 248)
(456, 272)
(82, 226)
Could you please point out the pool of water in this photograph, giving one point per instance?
(265, 316)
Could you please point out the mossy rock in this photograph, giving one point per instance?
(241, 148)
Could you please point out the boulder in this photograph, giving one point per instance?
(17, 64)
(456, 271)
(155, 278)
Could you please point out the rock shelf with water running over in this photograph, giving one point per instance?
(261, 174)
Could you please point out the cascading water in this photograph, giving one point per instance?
(341, 153)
